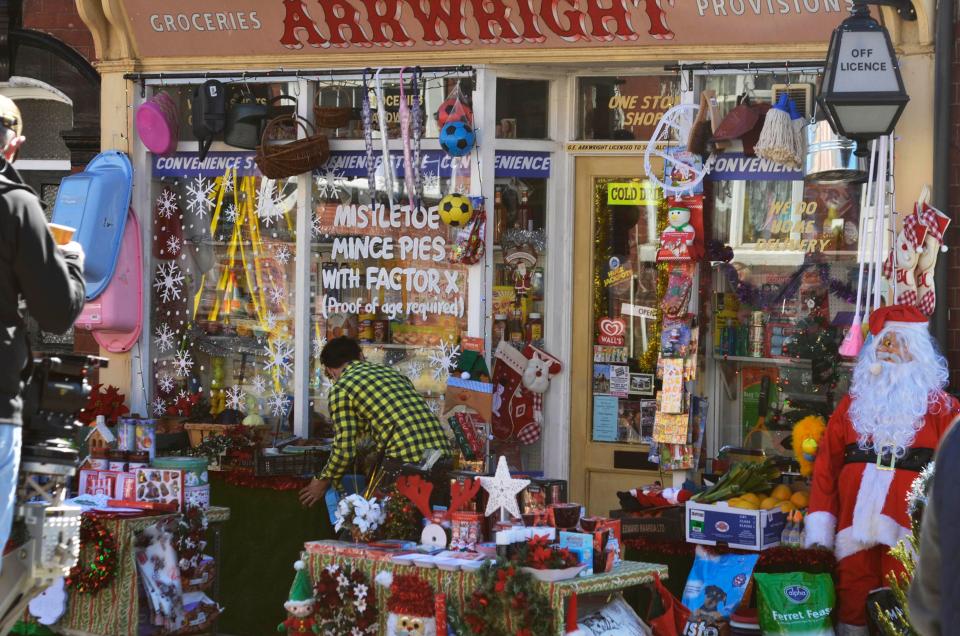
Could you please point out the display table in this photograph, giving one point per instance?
(459, 584)
(115, 609)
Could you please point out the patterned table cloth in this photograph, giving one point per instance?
(459, 584)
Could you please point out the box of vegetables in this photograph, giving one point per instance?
(741, 510)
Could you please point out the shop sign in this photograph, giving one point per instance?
(631, 193)
(353, 163)
(611, 332)
(863, 64)
(738, 167)
(252, 27)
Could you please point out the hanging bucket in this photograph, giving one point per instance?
(831, 157)
(158, 124)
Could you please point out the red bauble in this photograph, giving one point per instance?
(453, 110)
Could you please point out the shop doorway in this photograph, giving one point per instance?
(613, 302)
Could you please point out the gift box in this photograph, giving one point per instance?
(155, 485)
(466, 530)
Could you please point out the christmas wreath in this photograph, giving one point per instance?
(345, 602)
(505, 602)
(97, 572)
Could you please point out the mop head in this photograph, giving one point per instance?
(853, 342)
(777, 140)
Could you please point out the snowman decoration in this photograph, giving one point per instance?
(677, 237)
(410, 610)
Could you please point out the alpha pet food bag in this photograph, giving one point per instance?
(714, 589)
(795, 604)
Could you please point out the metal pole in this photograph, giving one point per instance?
(940, 196)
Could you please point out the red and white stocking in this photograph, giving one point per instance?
(935, 223)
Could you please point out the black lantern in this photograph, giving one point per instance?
(862, 92)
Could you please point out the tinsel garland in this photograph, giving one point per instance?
(97, 572)
(777, 559)
(505, 602)
(755, 297)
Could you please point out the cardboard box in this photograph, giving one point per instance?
(711, 524)
(160, 485)
(664, 523)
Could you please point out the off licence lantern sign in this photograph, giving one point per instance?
(862, 91)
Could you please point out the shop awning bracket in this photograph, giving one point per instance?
(296, 73)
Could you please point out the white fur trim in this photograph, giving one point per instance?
(819, 529)
(874, 486)
(885, 531)
(299, 565)
(384, 578)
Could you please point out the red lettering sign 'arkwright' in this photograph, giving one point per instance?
(444, 22)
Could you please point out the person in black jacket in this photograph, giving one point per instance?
(36, 276)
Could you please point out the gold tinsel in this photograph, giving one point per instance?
(601, 255)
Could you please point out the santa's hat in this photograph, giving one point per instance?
(301, 589)
(895, 315)
(915, 232)
(935, 221)
(409, 594)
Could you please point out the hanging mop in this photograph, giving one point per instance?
(776, 141)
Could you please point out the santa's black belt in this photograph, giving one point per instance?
(915, 459)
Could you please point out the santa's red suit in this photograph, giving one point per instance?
(859, 509)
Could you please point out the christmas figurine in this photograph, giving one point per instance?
(677, 238)
(882, 434)
(899, 267)
(410, 608)
(300, 621)
(523, 261)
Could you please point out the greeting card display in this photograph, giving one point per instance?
(160, 486)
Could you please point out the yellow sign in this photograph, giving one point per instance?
(631, 193)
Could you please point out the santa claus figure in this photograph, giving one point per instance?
(411, 610)
(880, 437)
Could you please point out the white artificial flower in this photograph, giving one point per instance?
(361, 605)
(333, 568)
(360, 590)
(342, 581)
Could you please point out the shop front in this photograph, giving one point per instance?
(656, 364)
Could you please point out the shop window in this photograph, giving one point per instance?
(782, 306)
(522, 108)
(625, 298)
(624, 108)
(222, 258)
(393, 282)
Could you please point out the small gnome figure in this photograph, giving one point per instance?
(410, 608)
(300, 621)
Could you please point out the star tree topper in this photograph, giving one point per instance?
(503, 489)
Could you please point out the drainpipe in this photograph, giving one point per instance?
(943, 91)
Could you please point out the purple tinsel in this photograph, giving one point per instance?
(765, 298)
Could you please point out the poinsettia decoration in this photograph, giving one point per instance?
(345, 603)
(108, 402)
(183, 406)
(539, 554)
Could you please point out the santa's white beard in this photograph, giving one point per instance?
(890, 399)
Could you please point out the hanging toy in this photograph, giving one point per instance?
(456, 210)
(457, 139)
(453, 110)
(936, 224)
(806, 441)
(898, 268)
(409, 176)
(470, 248)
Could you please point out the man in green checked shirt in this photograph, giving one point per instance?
(374, 402)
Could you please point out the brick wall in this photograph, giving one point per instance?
(953, 256)
(59, 18)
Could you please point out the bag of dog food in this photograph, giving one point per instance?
(795, 604)
(714, 588)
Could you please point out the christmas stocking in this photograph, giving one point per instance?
(898, 268)
(513, 405)
(935, 223)
(540, 368)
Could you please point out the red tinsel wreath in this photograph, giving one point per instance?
(98, 571)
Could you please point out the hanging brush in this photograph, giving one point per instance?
(799, 137)
(776, 141)
(853, 341)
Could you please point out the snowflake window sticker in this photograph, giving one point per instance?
(316, 226)
(277, 295)
(168, 281)
(280, 358)
(318, 345)
(159, 406)
(415, 370)
(235, 397)
(329, 184)
(278, 403)
(259, 385)
(282, 254)
(165, 383)
(444, 358)
(183, 363)
(167, 203)
(230, 213)
(173, 245)
(269, 203)
(163, 338)
(200, 196)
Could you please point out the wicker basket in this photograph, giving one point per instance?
(279, 161)
(200, 432)
(334, 116)
(306, 463)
